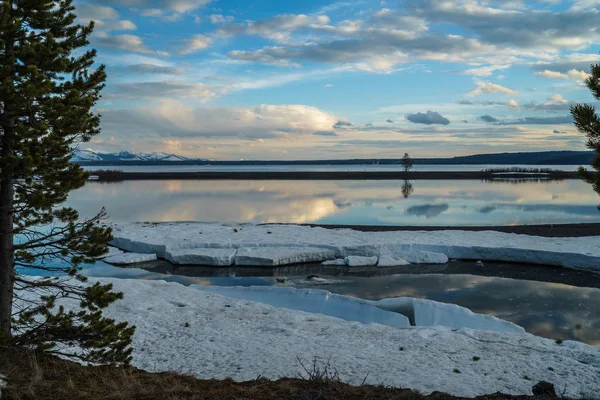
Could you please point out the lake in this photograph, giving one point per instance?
(420, 203)
(315, 168)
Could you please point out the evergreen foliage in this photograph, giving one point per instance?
(588, 122)
(48, 86)
(407, 162)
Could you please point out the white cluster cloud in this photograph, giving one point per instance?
(175, 119)
(194, 44)
(491, 88)
(571, 74)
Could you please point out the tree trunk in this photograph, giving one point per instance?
(7, 257)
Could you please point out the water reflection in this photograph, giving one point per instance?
(343, 202)
(407, 189)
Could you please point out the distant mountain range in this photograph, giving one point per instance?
(126, 156)
(89, 157)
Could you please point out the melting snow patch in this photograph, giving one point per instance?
(271, 256)
(201, 256)
(129, 258)
(313, 301)
(391, 261)
(286, 244)
(358, 261)
(424, 257)
(339, 262)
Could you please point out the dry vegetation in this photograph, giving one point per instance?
(32, 376)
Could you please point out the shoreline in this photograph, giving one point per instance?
(115, 176)
(544, 230)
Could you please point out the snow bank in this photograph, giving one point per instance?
(277, 244)
(129, 258)
(241, 339)
(420, 312)
(313, 301)
(359, 261)
(215, 257)
(273, 256)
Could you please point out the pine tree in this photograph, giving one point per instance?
(48, 87)
(407, 162)
(588, 122)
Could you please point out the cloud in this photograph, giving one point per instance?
(163, 90)
(525, 28)
(277, 28)
(342, 125)
(155, 69)
(88, 12)
(427, 210)
(487, 209)
(552, 74)
(490, 88)
(325, 133)
(123, 42)
(328, 85)
(566, 63)
(567, 119)
(488, 36)
(389, 121)
(173, 120)
(571, 74)
(512, 103)
(217, 19)
(488, 119)
(428, 118)
(178, 6)
(194, 44)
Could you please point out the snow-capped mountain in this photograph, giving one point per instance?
(90, 155)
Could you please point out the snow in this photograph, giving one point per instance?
(391, 260)
(338, 262)
(419, 257)
(265, 256)
(358, 261)
(201, 256)
(129, 258)
(420, 312)
(112, 251)
(92, 155)
(313, 301)
(293, 243)
(241, 339)
(424, 312)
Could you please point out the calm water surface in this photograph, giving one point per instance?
(443, 202)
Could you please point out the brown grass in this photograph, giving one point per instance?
(34, 376)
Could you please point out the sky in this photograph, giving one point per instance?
(320, 79)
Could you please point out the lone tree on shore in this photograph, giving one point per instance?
(407, 162)
(47, 90)
(588, 122)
